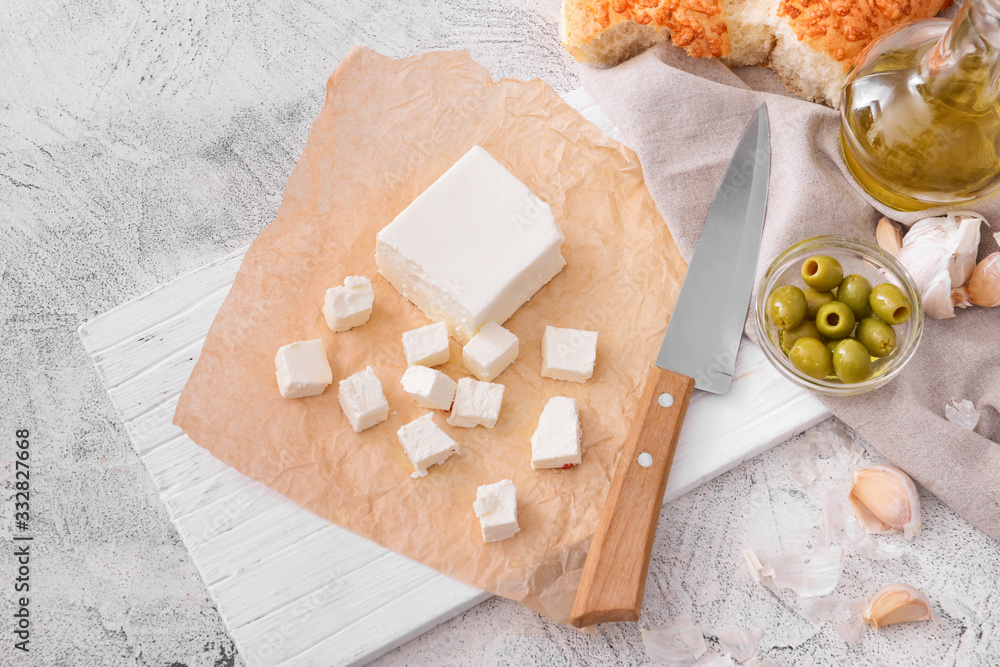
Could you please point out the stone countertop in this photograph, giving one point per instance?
(139, 142)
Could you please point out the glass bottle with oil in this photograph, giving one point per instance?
(920, 111)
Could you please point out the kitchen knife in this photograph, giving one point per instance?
(698, 351)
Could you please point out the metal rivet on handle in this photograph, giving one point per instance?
(666, 400)
(645, 459)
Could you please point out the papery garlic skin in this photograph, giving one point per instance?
(885, 498)
(940, 255)
(897, 603)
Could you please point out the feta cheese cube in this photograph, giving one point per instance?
(349, 305)
(496, 507)
(568, 354)
(430, 388)
(303, 369)
(490, 351)
(362, 400)
(476, 404)
(425, 443)
(556, 441)
(472, 247)
(427, 346)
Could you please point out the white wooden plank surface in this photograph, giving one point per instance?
(292, 588)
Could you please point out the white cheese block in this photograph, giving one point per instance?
(472, 247)
(362, 400)
(349, 305)
(425, 443)
(556, 441)
(568, 354)
(490, 351)
(476, 404)
(427, 346)
(303, 369)
(496, 507)
(429, 388)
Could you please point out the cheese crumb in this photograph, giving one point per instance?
(362, 400)
(303, 369)
(476, 404)
(427, 346)
(425, 444)
(496, 507)
(556, 441)
(349, 305)
(568, 354)
(429, 388)
(490, 351)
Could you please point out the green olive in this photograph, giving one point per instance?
(835, 320)
(854, 290)
(814, 300)
(890, 304)
(832, 344)
(786, 307)
(822, 273)
(878, 337)
(851, 361)
(806, 329)
(811, 357)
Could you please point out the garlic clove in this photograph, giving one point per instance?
(983, 288)
(897, 603)
(936, 296)
(870, 523)
(884, 497)
(889, 236)
(966, 248)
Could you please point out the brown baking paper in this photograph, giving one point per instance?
(388, 130)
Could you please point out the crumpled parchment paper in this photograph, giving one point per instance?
(388, 130)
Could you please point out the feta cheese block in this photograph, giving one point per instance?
(496, 507)
(476, 404)
(362, 400)
(568, 354)
(349, 305)
(303, 369)
(472, 247)
(427, 346)
(490, 351)
(556, 441)
(429, 388)
(425, 443)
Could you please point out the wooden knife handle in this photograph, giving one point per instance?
(614, 575)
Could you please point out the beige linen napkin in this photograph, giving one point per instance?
(684, 116)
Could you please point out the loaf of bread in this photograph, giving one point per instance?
(809, 44)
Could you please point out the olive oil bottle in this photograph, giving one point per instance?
(920, 111)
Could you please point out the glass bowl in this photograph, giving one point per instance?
(856, 256)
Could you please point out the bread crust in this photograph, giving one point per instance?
(843, 28)
(697, 25)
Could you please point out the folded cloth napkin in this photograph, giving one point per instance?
(683, 116)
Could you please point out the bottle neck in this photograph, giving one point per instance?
(964, 66)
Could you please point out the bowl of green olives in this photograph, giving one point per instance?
(838, 315)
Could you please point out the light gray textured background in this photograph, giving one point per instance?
(139, 142)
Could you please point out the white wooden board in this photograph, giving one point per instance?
(293, 589)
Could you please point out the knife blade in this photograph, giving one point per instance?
(698, 351)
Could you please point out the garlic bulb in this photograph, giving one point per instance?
(889, 236)
(940, 254)
(897, 603)
(885, 499)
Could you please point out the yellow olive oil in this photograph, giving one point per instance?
(920, 128)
